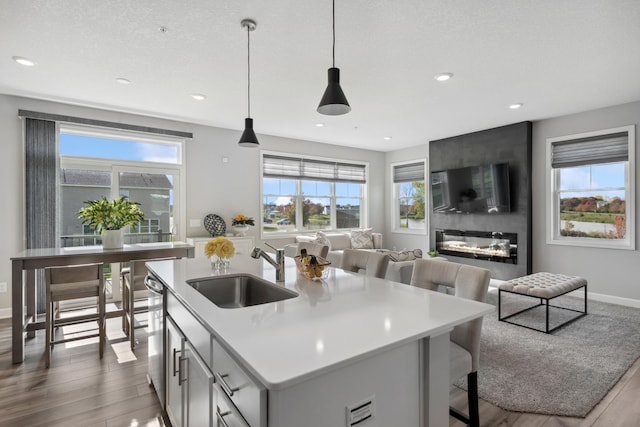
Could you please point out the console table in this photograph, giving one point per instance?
(24, 325)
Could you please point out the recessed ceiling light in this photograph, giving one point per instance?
(516, 106)
(24, 61)
(198, 96)
(443, 77)
(123, 81)
(319, 125)
(387, 138)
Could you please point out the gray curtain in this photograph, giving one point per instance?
(40, 191)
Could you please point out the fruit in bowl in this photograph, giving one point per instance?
(312, 267)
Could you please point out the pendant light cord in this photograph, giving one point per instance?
(248, 73)
(334, 34)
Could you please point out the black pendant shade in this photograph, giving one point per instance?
(248, 138)
(333, 102)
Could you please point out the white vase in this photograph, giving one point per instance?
(240, 230)
(112, 239)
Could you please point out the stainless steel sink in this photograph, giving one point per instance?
(241, 290)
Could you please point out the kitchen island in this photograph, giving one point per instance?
(348, 350)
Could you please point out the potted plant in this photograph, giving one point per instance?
(109, 217)
(241, 224)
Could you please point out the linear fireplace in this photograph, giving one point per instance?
(485, 245)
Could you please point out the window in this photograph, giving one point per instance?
(307, 194)
(97, 162)
(409, 207)
(591, 189)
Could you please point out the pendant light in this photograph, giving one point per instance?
(333, 102)
(248, 138)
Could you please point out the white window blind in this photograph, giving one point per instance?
(311, 169)
(409, 172)
(592, 150)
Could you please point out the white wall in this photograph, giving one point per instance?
(610, 272)
(225, 189)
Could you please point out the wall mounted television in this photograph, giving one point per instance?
(475, 189)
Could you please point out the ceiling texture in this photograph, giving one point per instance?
(556, 57)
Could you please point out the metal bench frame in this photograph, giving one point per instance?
(543, 302)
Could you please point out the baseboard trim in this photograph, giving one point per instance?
(5, 313)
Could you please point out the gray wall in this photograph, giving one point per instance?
(212, 186)
(507, 144)
(610, 272)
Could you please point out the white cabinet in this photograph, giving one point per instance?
(243, 245)
(199, 382)
(190, 399)
(195, 360)
(173, 376)
(238, 389)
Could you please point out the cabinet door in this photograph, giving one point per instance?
(175, 374)
(199, 381)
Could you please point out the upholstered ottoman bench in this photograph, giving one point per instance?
(545, 287)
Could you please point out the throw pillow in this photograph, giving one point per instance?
(362, 239)
(322, 239)
(401, 256)
(405, 255)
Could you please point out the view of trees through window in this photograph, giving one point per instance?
(411, 204)
(295, 205)
(409, 193)
(592, 201)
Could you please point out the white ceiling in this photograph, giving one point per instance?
(555, 56)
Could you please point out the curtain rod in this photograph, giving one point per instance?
(102, 123)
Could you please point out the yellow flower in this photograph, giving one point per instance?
(220, 246)
(242, 219)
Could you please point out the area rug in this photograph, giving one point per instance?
(563, 373)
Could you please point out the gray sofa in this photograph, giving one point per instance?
(397, 271)
(338, 242)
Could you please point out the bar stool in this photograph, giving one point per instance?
(69, 283)
(134, 290)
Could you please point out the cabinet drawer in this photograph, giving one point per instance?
(194, 331)
(248, 396)
(226, 414)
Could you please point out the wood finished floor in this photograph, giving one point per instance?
(81, 390)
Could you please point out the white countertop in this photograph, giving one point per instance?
(333, 322)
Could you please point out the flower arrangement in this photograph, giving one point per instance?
(241, 219)
(220, 246)
(103, 214)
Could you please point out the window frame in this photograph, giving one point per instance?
(117, 166)
(299, 197)
(553, 220)
(395, 205)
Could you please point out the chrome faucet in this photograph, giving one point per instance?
(278, 263)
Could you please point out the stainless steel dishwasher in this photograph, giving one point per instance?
(156, 336)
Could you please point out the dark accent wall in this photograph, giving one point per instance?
(507, 144)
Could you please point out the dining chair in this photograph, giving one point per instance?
(367, 262)
(134, 296)
(72, 283)
(464, 351)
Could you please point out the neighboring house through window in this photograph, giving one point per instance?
(306, 194)
(105, 162)
(591, 189)
(409, 198)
